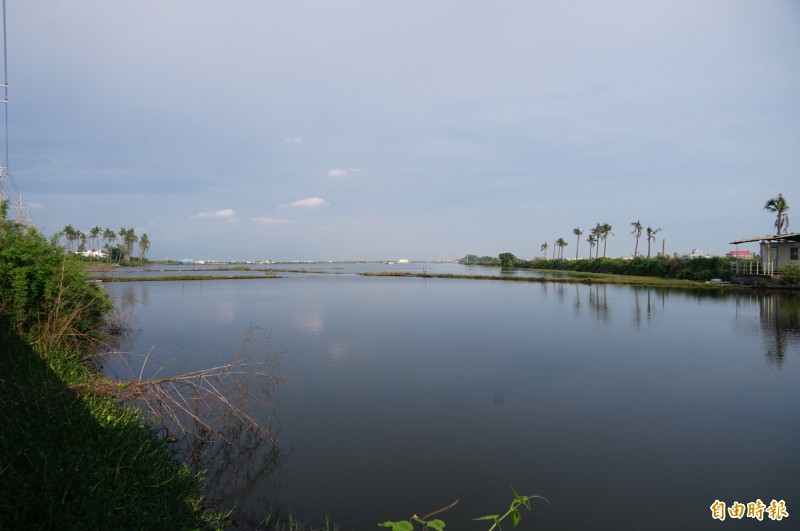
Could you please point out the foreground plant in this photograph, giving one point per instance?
(513, 510)
(439, 525)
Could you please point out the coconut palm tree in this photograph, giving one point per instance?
(651, 237)
(129, 238)
(637, 233)
(779, 206)
(592, 242)
(577, 232)
(144, 245)
(597, 232)
(561, 243)
(109, 236)
(82, 238)
(94, 234)
(71, 235)
(543, 248)
(605, 231)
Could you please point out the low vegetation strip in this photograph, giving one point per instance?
(570, 278)
(173, 278)
(701, 269)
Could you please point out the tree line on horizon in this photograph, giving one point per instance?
(600, 233)
(121, 251)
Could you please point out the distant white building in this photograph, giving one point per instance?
(92, 253)
(697, 253)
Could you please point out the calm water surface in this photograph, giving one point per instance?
(627, 408)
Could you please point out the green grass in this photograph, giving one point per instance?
(72, 459)
(175, 278)
(570, 277)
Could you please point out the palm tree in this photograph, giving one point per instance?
(577, 232)
(651, 237)
(109, 236)
(779, 206)
(555, 246)
(605, 230)
(561, 243)
(597, 232)
(94, 233)
(129, 238)
(592, 242)
(543, 248)
(71, 235)
(144, 245)
(637, 233)
(82, 238)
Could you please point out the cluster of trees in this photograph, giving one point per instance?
(123, 250)
(599, 233)
(694, 269)
(602, 231)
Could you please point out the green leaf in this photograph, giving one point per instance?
(515, 517)
(493, 517)
(403, 525)
(437, 524)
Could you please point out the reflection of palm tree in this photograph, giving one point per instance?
(651, 237)
(779, 206)
(577, 232)
(637, 233)
(543, 248)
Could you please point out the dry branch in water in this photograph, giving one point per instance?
(211, 405)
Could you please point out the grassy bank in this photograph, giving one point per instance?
(699, 269)
(571, 278)
(172, 278)
(71, 458)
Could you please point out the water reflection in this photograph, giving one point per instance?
(475, 385)
(780, 324)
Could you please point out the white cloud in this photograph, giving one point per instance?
(228, 213)
(34, 205)
(310, 202)
(336, 173)
(294, 140)
(271, 221)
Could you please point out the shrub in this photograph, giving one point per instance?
(44, 292)
(790, 274)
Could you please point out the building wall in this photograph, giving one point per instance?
(783, 254)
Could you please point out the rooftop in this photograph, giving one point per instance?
(792, 236)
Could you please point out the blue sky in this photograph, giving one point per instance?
(421, 129)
